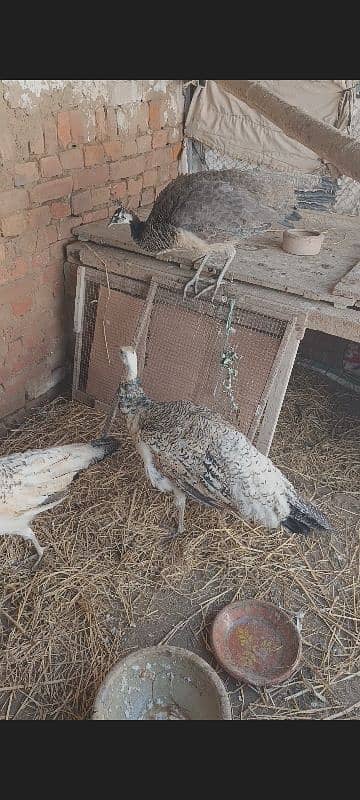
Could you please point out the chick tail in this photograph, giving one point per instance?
(304, 517)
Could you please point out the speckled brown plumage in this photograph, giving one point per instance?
(195, 453)
(206, 212)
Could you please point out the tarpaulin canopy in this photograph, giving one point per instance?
(229, 126)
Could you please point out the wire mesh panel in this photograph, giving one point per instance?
(220, 355)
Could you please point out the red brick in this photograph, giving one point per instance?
(174, 135)
(16, 350)
(135, 185)
(160, 139)
(127, 168)
(163, 175)
(13, 397)
(40, 260)
(63, 126)
(20, 268)
(37, 346)
(100, 196)
(66, 225)
(2, 252)
(51, 190)
(94, 154)
(130, 147)
(111, 122)
(118, 190)
(50, 166)
(149, 177)
(53, 327)
(39, 217)
(42, 241)
(72, 159)
(57, 250)
(147, 196)
(60, 210)
(36, 136)
(5, 277)
(78, 127)
(4, 347)
(144, 143)
(21, 307)
(100, 119)
(17, 291)
(51, 234)
(50, 135)
(114, 150)
(82, 201)
(176, 150)
(174, 170)
(53, 274)
(13, 200)
(14, 225)
(133, 202)
(50, 296)
(7, 142)
(26, 173)
(26, 243)
(95, 216)
(156, 115)
(94, 176)
(158, 158)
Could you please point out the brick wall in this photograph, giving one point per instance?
(69, 150)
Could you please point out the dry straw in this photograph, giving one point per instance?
(106, 568)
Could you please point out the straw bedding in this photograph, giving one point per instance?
(110, 581)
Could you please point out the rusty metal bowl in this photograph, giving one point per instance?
(256, 642)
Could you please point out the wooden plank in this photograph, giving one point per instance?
(274, 405)
(119, 269)
(261, 260)
(349, 285)
(293, 330)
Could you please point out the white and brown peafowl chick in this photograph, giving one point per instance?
(205, 213)
(193, 452)
(37, 480)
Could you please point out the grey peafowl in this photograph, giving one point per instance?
(37, 480)
(193, 452)
(205, 213)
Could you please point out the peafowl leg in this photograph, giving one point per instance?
(216, 284)
(27, 533)
(179, 500)
(195, 280)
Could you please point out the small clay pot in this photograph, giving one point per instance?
(302, 243)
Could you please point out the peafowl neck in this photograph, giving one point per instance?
(132, 398)
(137, 228)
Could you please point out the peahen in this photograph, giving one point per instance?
(205, 213)
(37, 480)
(194, 453)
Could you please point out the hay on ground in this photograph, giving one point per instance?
(108, 583)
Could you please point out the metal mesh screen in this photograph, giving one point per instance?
(89, 320)
(217, 355)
